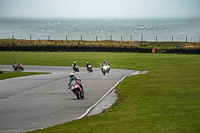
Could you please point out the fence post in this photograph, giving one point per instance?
(48, 38)
(142, 38)
(30, 37)
(186, 38)
(81, 37)
(130, 37)
(12, 38)
(172, 38)
(66, 37)
(96, 38)
(121, 38)
(156, 39)
(111, 37)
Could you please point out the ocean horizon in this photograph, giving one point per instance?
(147, 29)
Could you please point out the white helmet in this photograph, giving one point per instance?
(71, 75)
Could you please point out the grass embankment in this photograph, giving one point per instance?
(13, 74)
(166, 99)
(103, 43)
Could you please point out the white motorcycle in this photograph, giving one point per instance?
(105, 69)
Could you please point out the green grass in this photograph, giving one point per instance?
(166, 99)
(13, 74)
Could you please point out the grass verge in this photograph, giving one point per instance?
(13, 74)
(166, 99)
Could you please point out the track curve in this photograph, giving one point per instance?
(39, 101)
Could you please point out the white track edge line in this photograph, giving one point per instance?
(89, 109)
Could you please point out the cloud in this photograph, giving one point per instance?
(99, 8)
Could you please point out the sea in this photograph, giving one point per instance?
(143, 29)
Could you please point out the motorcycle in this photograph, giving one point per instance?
(17, 66)
(105, 69)
(76, 68)
(76, 89)
(89, 68)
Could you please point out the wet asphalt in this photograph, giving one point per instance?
(40, 101)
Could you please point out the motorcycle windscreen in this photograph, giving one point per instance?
(73, 83)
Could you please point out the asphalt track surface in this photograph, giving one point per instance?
(40, 101)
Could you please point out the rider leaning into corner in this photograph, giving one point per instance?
(105, 63)
(16, 63)
(71, 78)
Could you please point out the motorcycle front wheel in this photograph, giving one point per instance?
(77, 92)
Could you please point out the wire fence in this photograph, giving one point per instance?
(139, 38)
(110, 45)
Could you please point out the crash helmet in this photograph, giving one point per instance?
(104, 61)
(87, 62)
(15, 62)
(71, 75)
(74, 61)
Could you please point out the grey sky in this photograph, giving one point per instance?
(100, 8)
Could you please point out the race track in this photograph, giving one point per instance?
(39, 101)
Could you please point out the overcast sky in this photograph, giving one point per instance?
(100, 8)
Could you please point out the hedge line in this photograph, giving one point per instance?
(96, 49)
(73, 48)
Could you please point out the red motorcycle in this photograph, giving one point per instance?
(17, 66)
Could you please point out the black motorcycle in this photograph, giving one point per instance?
(76, 68)
(89, 68)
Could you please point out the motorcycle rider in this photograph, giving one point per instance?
(71, 78)
(87, 65)
(16, 63)
(105, 63)
(74, 64)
